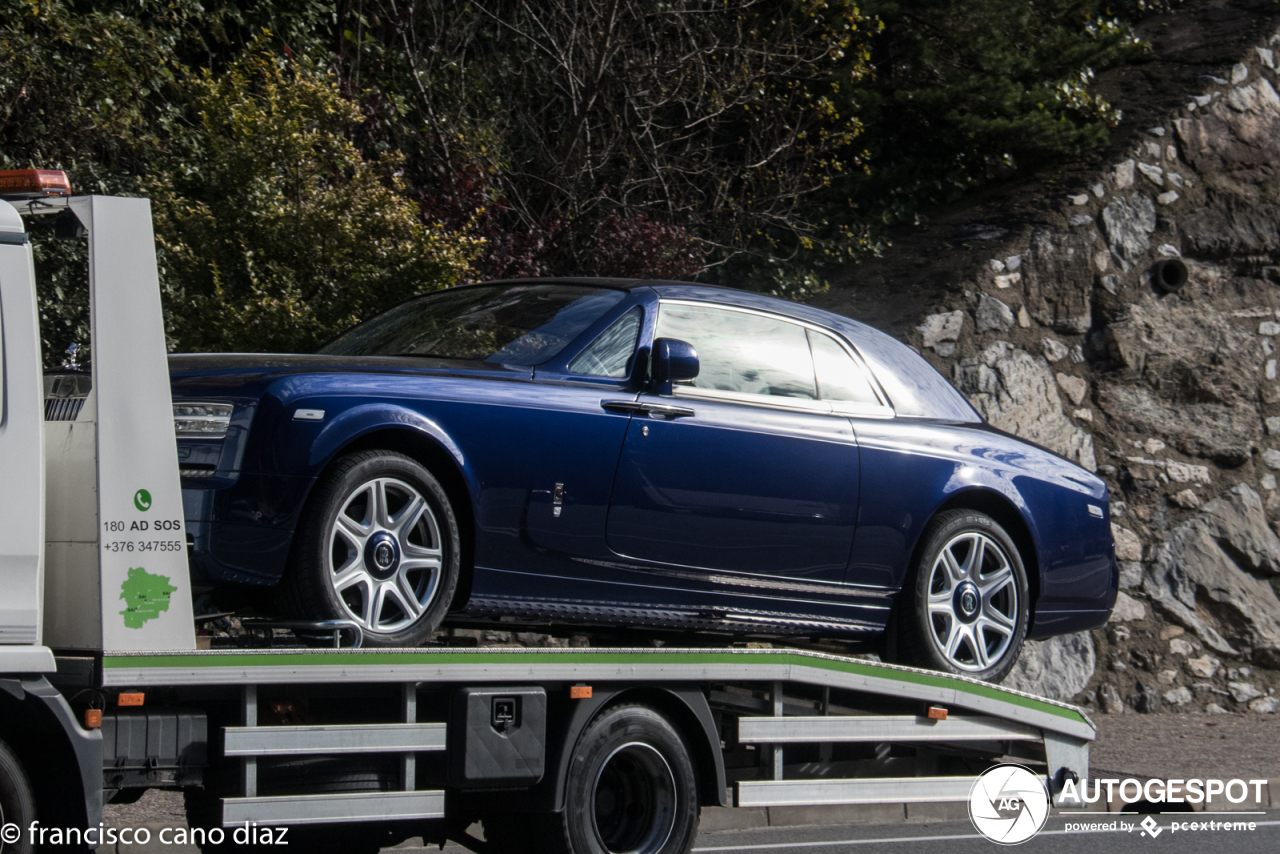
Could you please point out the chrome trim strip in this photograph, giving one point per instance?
(877, 728)
(352, 738)
(331, 809)
(872, 790)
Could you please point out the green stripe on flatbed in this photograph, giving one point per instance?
(346, 658)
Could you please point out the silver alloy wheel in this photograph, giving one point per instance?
(385, 555)
(973, 601)
(633, 801)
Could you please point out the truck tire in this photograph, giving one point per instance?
(964, 607)
(630, 787)
(17, 801)
(378, 544)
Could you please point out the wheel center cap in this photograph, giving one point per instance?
(966, 602)
(382, 555)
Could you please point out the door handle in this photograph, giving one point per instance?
(627, 407)
(670, 413)
(657, 410)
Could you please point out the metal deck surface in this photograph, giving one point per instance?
(315, 666)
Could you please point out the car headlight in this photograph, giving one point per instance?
(194, 420)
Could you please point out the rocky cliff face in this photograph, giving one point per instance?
(1049, 320)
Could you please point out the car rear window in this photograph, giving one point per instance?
(515, 324)
(839, 379)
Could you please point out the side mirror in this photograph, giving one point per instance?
(673, 361)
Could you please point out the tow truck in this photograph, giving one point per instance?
(106, 693)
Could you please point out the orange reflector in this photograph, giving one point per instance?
(33, 183)
(131, 699)
(92, 718)
(579, 692)
(937, 713)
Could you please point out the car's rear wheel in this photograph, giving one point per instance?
(965, 605)
(379, 546)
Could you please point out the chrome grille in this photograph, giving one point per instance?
(62, 408)
(64, 395)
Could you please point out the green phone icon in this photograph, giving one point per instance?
(142, 499)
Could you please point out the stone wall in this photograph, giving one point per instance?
(1053, 328)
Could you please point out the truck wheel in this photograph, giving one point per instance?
(17, 801)
(378, 545)
(964, 609)
(630, 787)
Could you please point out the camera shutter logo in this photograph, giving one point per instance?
(1008, 804)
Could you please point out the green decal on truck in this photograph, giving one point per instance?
(146, 597)
(142, 500)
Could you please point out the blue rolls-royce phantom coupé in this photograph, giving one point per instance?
(640, 454)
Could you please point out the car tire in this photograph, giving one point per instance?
(630, 787)
(17, 800)
(379, 545)
(956, 617)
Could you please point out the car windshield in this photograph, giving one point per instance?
(517, 324)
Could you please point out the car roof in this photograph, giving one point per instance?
(669, 288)
(612, 282)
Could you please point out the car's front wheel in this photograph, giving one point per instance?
(378, 545)
(965, 606)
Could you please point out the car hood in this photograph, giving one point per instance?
(246, 374)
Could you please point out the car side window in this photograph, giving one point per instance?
(611, 353)
(840, 380)
(743, 353)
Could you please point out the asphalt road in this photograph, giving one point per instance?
(961, 838)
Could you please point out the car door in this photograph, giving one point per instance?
(574, 449)
(744, 470)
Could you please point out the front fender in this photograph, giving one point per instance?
(358, 421)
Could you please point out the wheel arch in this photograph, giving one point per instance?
(690, 714)
(1000, 508)
(685, 706)
(442, 462)
(62, 759)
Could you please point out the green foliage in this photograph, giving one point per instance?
(275, 232)
(311, 162)
(79, 90)
(714, 122)
(968, 93)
